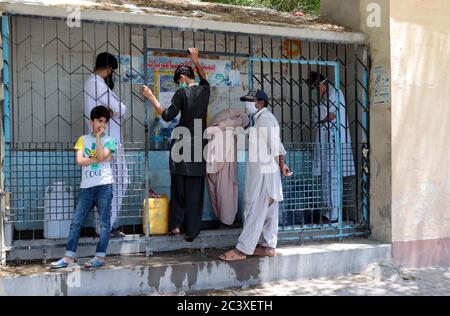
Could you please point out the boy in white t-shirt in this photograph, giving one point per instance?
(94, 153)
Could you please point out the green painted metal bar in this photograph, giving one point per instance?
(211, 53)
(6, 80)
(365, 124)
(295, 61)
(321, 237)
(6, 139)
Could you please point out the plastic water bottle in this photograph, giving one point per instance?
(165, 138)
(173, 124)
(155, 135)
(227, 75)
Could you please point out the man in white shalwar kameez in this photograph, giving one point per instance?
(98, 91)
(263, 187)
(325, 163)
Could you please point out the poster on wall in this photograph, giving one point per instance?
(382, 86)
(131, 70)
(219, 73)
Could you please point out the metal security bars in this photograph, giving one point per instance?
(50, 62)
(307, 206)
(44, 180)
(328, 157)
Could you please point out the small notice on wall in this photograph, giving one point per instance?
(382, 85)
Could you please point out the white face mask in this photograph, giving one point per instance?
(251, 107)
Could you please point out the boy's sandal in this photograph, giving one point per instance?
(58, 264)
(94, 263)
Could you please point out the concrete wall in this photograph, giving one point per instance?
(420, 128)
(355, 14)
(410, 150)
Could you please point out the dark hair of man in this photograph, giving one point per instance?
(104, 60)
(183, 70)
(99, 112)
(315, 78)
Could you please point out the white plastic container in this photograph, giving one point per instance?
(59, 205)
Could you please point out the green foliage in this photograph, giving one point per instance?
(308, 6)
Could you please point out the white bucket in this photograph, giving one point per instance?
(59, 205)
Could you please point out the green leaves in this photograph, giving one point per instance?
(308, 6)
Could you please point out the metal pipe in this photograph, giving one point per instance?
(6, 81)
(296, 61)
(365, 124)
(211, 53)
(337, 78)
(4, 132)
(320, 237)
(146, 146)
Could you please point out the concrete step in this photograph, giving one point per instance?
(46, 249)
(194, 270)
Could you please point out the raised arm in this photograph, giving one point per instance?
(148, 93)
(167, 114)
(193, 54)
(102, 152)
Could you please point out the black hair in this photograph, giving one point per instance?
(104, 60)
(99, 112)
(183, 70)
(315, 78)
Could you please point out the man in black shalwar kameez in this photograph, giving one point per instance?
(188, 175)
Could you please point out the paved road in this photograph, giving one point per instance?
(379, 279)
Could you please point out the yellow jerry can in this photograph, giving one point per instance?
(158, 211)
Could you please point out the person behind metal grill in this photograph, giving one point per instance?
(98, 91)
(263, 188)
(325, 163)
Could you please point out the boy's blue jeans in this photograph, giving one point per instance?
(100, 196)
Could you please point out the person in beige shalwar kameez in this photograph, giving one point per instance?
(221, 166)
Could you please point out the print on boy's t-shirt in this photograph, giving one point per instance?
(97, 173)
